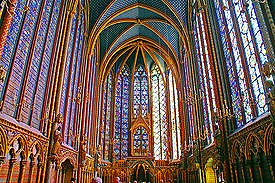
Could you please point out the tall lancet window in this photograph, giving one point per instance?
(141, 98)
(174, 116)
(106, 117)
(245, 43)
(159, 114)
(206, 73)
(121, 114)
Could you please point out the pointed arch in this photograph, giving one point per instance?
(20, 146)
(252, 145)
(68, 156)
(237, 149)
(268, 140)
(37, 149)
(140, 91)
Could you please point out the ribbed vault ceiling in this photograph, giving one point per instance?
(138, 32)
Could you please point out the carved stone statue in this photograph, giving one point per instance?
(270, 88)
(83, 149)
(57, 139)
(2, 73)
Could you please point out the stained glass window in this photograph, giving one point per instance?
(106, 116)
(174, 117)
(26, 50)
(46, 57)
(160, 125)
(121, 127)
(20, 60)
(141, 97)
(36, 65)
(244, 47)
(141, 141)
(205, 66)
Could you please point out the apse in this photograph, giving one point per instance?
(142, 89)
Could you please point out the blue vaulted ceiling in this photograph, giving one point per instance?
(140, 13)
(134, 31)
(159, 24)
(100, 10)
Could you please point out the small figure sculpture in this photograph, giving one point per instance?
(2, 73)
(270, 88)
(57, 135)
(83, 150)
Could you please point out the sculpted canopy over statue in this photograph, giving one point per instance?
(57, 135)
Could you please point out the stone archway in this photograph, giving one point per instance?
(141, 172)
(67, 171)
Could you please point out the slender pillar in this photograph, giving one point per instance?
(242, 172)
(22, 171)
(39, 172)
(32, 164)
(258, 172)
(58, 172)
(10, 171)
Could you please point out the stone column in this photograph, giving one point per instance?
(58, 169)
(39, 172)
(10, 171)
(22, 171)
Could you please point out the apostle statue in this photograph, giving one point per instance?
(57, 138)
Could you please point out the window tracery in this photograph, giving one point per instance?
(140, 91)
